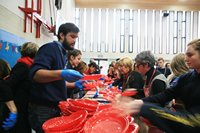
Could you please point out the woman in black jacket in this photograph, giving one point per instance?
(8, 110)
(20, 84)
(186, 88)
(131, 78)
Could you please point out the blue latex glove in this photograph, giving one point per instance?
(79, 84)
(10, 121)
(110, 86)
(96, 94)
(71, 75)
(120, 88)
(102, 78)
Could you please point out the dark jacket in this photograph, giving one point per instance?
(51, 56)
(134, 80)
(165, 71)
(20, 83)
(187, 89)
(157, 85)
(5, 95)
(5, 92)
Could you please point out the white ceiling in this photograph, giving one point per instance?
(141, 4)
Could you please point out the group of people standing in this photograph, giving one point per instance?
(31, 91)
(15, 91)
(35, 87)
(166, 96)
(183, 86)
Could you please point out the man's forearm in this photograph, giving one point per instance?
(45, 76)
(11, 106)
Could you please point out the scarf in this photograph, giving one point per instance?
(26, 60)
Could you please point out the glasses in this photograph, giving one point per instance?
(138, 65)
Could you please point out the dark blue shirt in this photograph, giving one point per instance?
(51, 56)
(187, 89)
(165, 71)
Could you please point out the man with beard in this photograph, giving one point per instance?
(49, 74)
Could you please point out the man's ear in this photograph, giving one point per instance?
(61, 36)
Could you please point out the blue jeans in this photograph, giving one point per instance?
(38, 114)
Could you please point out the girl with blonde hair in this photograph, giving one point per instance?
(178, 67)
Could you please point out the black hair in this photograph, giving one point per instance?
(94, 65)
(74, 52)
(66, 28)
(117, 59)
(4, 69)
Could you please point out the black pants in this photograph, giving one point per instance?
(38, 114)
(22, 125)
